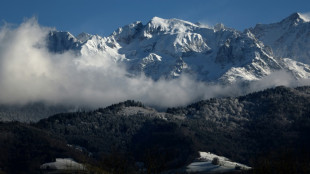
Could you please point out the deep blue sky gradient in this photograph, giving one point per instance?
(103, 17)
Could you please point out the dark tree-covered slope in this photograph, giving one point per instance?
(24, 148)
(239, 128)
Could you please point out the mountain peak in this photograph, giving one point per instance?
(157, 22)
(295, 19)
(304, 17)
(157, 19)
(60, 41)
(169, 25)
(172, 21)
(219, 26)
(83, 37)
(127, 32)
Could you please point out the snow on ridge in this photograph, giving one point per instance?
(170, 25)
(126, 32)
(305, 16)
(299, 69)
(83, 37)
(204, 164)
(158, 20)
(219, 26)
(288, 38)
(207, 156)
(63, 164)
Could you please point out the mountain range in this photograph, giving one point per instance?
(168, 48)
(162, 50)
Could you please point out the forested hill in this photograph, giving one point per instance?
(31, 112)
(261, 122)
(288, 103)
(239, 128)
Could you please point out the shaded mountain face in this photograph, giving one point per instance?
(289, 38)
(167, 48)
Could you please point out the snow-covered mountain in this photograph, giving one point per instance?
(288, 38)
(167, 48)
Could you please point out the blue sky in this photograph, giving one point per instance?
(103, 17)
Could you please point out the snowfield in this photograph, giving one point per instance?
(63, 164)
(204, 164)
